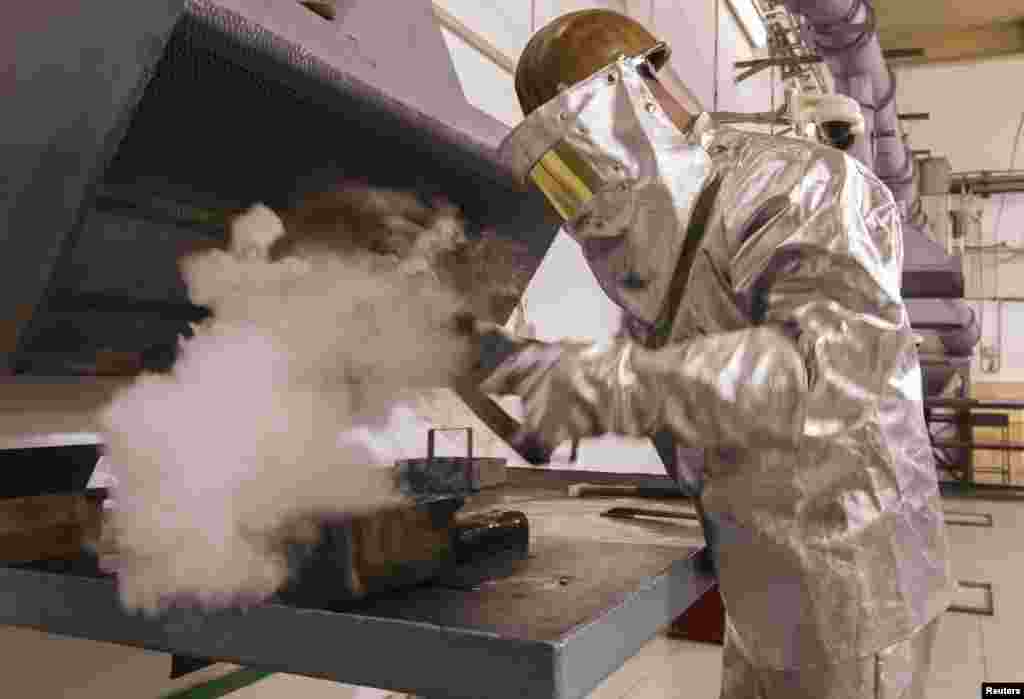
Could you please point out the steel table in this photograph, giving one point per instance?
(592, 592)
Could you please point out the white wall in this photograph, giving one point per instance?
(1002, 328)
(505, 23)
(487, 86)
(1001, 276)
(976, 109)
(991, 275)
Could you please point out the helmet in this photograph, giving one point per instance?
(577, 45)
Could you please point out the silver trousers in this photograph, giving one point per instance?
(900, 671)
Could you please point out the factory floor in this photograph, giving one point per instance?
(971, 649)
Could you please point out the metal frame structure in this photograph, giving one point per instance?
(988, 609)
(966, 414)
(797, 60)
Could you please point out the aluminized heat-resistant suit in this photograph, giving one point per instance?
(784, 374)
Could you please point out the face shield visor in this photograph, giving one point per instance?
(565, 146)
(620, 173)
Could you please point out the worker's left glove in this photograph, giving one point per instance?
(569, 391)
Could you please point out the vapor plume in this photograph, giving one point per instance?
(323, 319)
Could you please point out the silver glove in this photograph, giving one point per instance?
(727, 390)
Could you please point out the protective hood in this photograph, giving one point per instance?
(622, 175)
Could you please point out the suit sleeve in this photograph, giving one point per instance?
(820, 277)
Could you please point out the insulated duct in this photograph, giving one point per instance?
(844, 33)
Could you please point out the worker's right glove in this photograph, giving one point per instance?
(496, 348)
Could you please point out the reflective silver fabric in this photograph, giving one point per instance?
(613, 163)
(792, 363)
(900, 671)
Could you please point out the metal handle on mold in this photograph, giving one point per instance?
(430, 439)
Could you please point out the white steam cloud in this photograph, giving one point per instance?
(219, 459)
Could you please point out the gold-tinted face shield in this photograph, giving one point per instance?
(566, 180)
(569, 147)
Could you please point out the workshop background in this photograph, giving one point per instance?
(968, 81)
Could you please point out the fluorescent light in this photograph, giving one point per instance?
(750, 19)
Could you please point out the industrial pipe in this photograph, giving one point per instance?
(987, 182)
(844, 33)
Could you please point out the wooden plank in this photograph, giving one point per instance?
(1001, 391)
(956, 44)
(47, 527)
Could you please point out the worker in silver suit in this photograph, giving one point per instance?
(761, 280)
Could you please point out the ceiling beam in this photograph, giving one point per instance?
(474, 39)
(954, 44)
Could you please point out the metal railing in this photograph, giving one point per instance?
(788, 50)
(953, 425)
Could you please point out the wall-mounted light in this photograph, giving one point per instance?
(751, 22)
